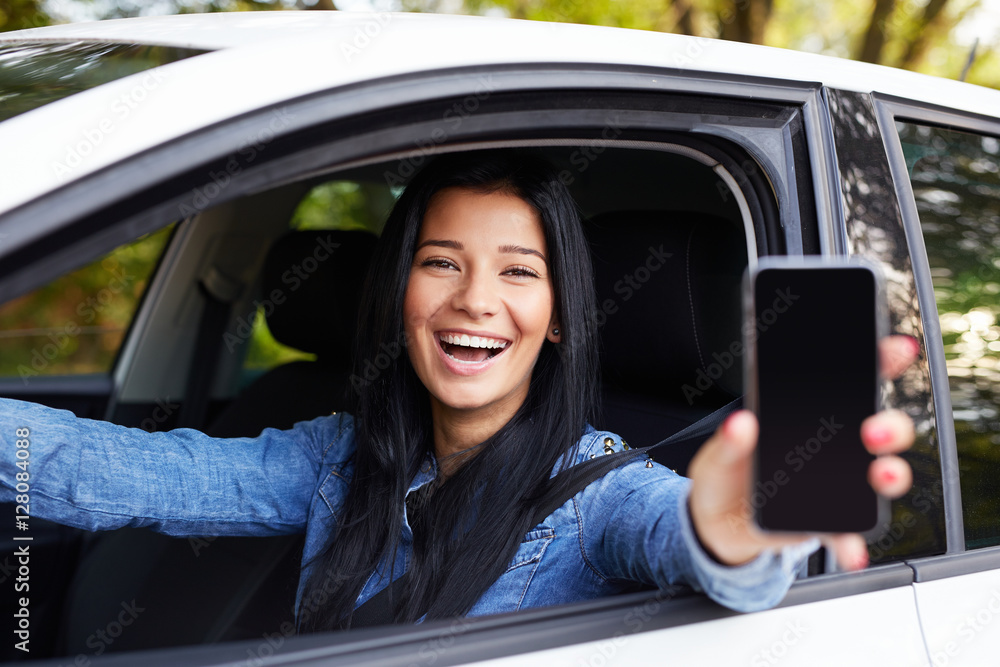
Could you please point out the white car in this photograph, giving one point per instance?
(162, 159)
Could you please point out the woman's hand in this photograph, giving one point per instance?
(721, 476)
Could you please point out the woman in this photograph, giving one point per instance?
(483, 272)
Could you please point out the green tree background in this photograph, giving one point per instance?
(930, 36)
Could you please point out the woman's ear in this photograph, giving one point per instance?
(554, 334)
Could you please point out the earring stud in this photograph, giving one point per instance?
(555, 332)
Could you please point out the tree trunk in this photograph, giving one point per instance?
(683, 20)
(927, 27)
(875, 36)
(746, 21)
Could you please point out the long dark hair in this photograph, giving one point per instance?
(469, 529)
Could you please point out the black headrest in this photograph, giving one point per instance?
(318, 275)
(669, 290)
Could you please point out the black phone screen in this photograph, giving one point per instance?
(815, 367)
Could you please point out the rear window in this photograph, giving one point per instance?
(33, 74)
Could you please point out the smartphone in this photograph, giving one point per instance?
(811, 328)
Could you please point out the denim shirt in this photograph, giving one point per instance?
(629, 527)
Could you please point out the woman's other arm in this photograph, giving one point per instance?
(100, 476)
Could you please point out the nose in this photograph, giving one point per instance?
(477, 295)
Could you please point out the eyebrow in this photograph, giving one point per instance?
(505, 249)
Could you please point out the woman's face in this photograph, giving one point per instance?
(479, 302)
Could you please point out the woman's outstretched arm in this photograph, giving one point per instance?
(663, 529)
(99, 476)
(636, 526)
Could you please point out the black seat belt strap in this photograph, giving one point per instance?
(219, 292)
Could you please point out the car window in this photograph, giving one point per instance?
(956, 183)
(339, 204)
(76, 324)
(37, 73)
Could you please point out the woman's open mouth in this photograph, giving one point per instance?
(466, 349)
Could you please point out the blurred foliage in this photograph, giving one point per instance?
(956, 183)
(76, 323)
(23, 14)
(334, 205)
(921, 35)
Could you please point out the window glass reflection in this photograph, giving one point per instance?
(35, 74)
(956, 184)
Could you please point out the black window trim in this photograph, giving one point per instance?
(80, 200)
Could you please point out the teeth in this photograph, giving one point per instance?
(473, 341)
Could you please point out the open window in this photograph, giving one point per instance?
(678, 195)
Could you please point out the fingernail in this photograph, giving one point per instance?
(727, 426)
(878, 435)
(888, 476)
(861, 562)
(914, 346)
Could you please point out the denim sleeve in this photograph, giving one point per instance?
(99, 476)
(639, 529)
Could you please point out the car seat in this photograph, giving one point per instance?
(203, 590)
(669, 311)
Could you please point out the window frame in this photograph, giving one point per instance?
(890, 109)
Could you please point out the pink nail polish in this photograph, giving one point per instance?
(914, 345)
(878, 435)
(888, 476)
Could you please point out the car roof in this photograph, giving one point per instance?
(263, 59)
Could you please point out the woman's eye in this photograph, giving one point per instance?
(521, 272)
(438, 263)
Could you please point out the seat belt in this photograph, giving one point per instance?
(219, 291)
(378, 609)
